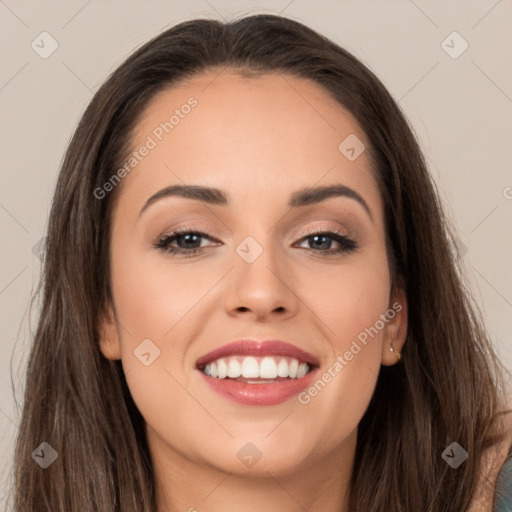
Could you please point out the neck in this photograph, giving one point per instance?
(315, 484)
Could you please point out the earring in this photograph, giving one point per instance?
(398, 354)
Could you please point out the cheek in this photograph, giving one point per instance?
(348, 298)
(152, 295)
(349, 302)
(157, 304)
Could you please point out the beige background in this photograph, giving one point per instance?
(459, 107)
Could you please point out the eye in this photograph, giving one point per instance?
(188, 241)
(319, 239)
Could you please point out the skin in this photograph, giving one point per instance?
(259, 140)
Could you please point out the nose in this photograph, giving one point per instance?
(262, 289)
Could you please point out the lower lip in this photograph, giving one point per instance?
(259, 394)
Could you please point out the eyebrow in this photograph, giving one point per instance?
(215, 196)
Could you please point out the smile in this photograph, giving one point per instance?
(259, 373)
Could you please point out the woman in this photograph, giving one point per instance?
(313, 349)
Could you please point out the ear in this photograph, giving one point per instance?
(109, 342)
(395, 331)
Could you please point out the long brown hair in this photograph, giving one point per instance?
(446, 388)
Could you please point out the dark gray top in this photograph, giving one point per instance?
(503, 497)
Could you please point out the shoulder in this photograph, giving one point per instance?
(495, 483)
(503, 495)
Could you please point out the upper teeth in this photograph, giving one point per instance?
(268, 367)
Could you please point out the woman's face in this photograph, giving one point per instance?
(260, 273)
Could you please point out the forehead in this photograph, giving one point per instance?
(260, 105)
(251, 136)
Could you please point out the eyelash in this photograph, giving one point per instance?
(347, 244)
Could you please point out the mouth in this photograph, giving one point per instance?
(258, 373)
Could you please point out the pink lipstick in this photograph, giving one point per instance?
(255, 372)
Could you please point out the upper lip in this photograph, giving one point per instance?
(251, 347)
